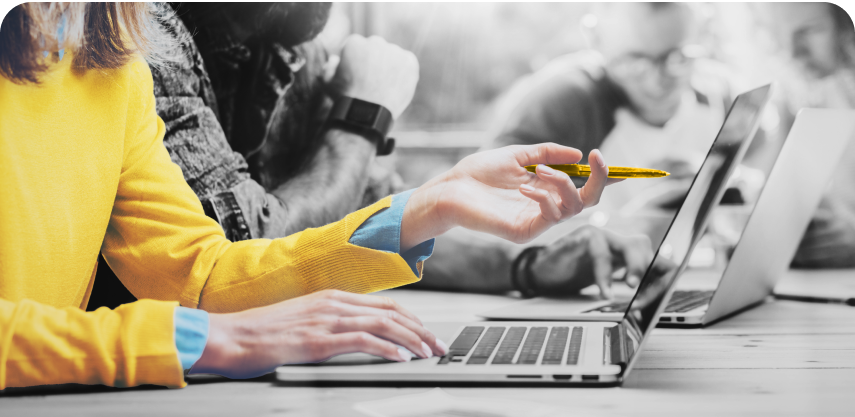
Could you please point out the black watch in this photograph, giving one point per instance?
(364, 118)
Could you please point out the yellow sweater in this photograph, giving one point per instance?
(83, 169)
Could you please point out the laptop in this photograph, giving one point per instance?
(831, 286)
(739, 127)
(767, 241)
(596, 353)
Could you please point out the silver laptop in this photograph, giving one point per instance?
(739, 127)
(569, 352)
(832, 286)
(767, 241)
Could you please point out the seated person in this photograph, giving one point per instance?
(639, 93)
(85, 170)
(820, 42)
(234, 75)
(208, 120)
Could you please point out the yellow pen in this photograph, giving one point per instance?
(576, 170)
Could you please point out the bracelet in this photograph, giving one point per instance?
(522, 278)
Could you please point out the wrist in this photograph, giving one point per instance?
(423, 217)
(522, 278)
(370, 120)
(220, 349)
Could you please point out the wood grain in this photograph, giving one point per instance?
(782, 358)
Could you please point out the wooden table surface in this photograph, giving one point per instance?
(782, 358)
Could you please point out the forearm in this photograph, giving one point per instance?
(131, 345)
(468, 261)
(330, 187)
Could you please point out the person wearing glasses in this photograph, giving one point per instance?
(637, 93)
(640, 91)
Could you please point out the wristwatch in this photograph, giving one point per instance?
(364, 118)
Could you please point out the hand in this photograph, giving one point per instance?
(491, 192)
(310, 329)
(374, 70)
(590, 255)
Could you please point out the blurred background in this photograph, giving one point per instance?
(470, 53)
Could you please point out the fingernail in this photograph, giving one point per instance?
(546, 170)
(442, 346)
(527, 187)
(404, 355)
(426, 349)
(600, 158)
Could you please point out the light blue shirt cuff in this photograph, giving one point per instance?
(382, 231)
(191, 334)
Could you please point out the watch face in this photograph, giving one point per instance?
(362, 112)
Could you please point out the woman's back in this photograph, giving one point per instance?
(62, 144)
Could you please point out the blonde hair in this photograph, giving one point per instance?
(101, 36)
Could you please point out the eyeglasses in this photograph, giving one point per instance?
(677, 61)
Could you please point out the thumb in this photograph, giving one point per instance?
(595, 185)
(545, 153)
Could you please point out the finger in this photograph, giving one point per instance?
(636, 254)
(384, 328)
(549, 211)
(593, 189)
(363, 342)
(571, 202)
(601, 257)
(545, 153)
(614, 181)
(350, 310)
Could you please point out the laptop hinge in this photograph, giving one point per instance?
(618, 347)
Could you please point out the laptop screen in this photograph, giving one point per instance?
(688, 225)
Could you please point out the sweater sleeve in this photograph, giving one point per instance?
(128, 346)
(162, 246)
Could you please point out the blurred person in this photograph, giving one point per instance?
(819, 41)
(85, 170)
(637, 94)
(640, 92)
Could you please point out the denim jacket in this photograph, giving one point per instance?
(195, 135)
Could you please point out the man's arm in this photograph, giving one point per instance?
(330, 187)
(333, 183)
(467, 261)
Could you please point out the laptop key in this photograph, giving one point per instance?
(508, 348)
(555, 346)
(463, 344)
(575, 346)
(486, 346)
(531, 348)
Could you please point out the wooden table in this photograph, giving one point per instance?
(781, 358)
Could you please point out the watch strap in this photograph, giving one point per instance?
(364, 118)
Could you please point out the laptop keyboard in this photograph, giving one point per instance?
(519, 345)
(681, 301)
